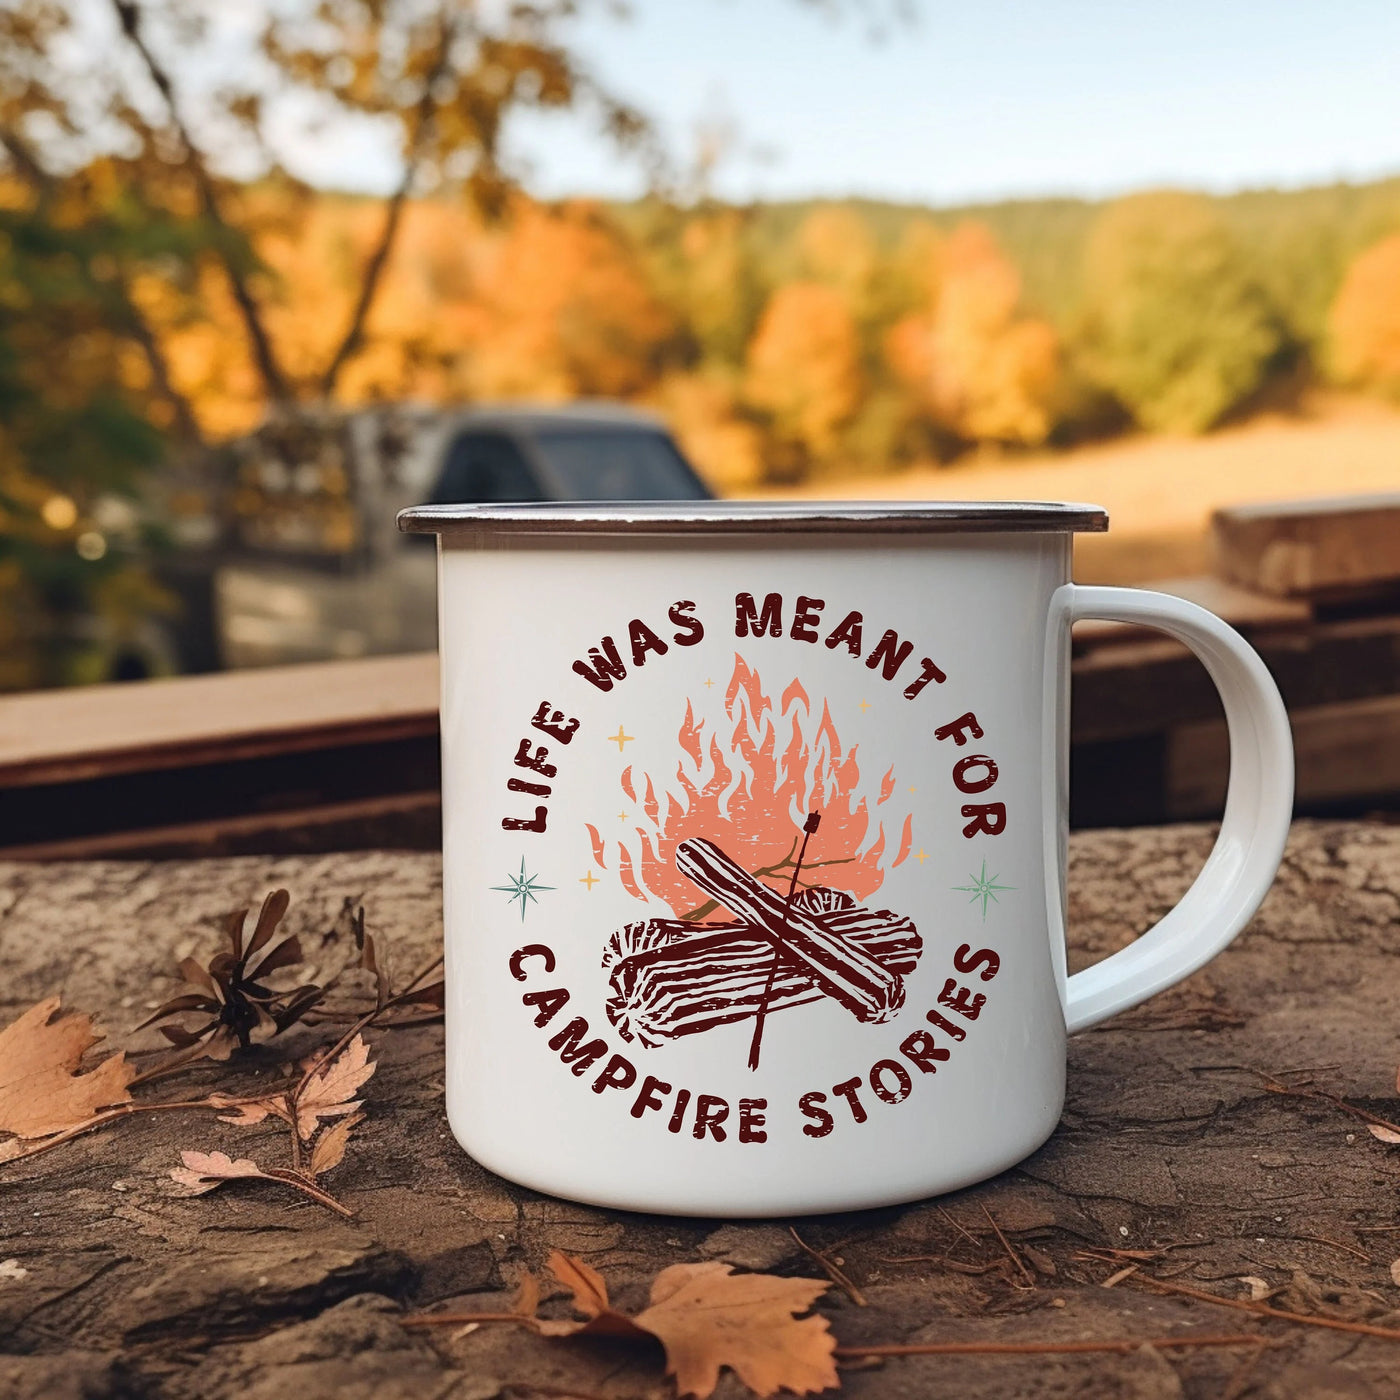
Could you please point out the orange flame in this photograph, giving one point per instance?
(750, 797)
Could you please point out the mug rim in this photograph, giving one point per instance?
(754, 517)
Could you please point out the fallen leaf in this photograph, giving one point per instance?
(1395, 1273)
(1259, 1288)
(1385, 1134)
(203, 1171)
(247, 1113)
(329, 1093)
(41, 1090)
(330, 1147)
(12, 1270)
(707, 1317)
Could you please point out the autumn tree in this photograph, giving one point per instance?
(804, 370)
(1177, 325)
(980, 367)
(1363, 325)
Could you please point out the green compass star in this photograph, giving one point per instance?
(983, 887)
(522, 887)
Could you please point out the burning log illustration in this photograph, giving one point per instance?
(674, 977)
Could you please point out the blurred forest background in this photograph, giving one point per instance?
(166, 283)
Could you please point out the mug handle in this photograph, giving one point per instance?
(1258, 804)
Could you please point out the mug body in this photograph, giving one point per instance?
(745, 854)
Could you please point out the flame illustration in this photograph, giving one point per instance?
(749, 794)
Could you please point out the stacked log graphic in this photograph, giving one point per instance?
(674, 977)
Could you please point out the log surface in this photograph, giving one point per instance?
(1168, 1142)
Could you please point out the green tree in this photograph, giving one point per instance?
(1177, 325)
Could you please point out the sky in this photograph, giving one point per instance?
(976, 100)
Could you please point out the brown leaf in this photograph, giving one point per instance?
(330, 1147)
(329, 1093)
(274, 907)
(1385, 1134)
(250, 1112)
(1395, 1273)
(41, 1090)
(707, 1317)
(203, 1171)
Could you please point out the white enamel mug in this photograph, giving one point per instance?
(754, 843)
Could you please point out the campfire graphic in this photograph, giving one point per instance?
(764, 852)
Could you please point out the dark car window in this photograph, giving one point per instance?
(485, 467)
(607, 464)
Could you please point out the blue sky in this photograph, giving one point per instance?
(982, 99)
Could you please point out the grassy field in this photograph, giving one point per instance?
(1159, 492)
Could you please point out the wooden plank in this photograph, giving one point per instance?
(1344, 752)
(410, 820)
(1310, 549)
(69, 735)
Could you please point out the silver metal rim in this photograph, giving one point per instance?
(755, 518)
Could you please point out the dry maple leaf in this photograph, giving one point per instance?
(329, 1093)
(41, 1090)
(707, 1317)
(329, 1150)
(1384, 1134)
(203, 1171)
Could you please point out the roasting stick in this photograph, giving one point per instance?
(868, 990)
(761, 1015)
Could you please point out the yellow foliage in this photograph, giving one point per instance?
(804, 365)
(1364, 322)
(981, 370)
(835, 246)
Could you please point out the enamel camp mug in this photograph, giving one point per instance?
(754, 827)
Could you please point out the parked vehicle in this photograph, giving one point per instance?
(317, 567)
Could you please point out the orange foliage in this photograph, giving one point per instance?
(1364, 322)
(564, 310)
(804, 364)
(703, 410)
(980, 369)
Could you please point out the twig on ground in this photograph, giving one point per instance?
(1337, 1244)
(1335, 1324)
(1011, 1253)
(1114, 1279)
(1125, 1345)
(832, 1271)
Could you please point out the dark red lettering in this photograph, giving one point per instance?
(929, 673)
(962, 1000)
(535, 823)
(606, 666)
(958, 729)
(921, 1050)
(903, 1084)
(554, 723)
(535, 762)
(643, 640)
(548, 1002)
(618, 1073)
(692, 629)
(988, 817)
(848, 1092)
(710, 1112)
(650, 1095)
(751, 1120)
(530, 950)
(534, 789)
(890, 653)
(847, 634)
(822, 1122)
(966, 961)
(808, 614)
(678, 1113)
(974, 760)
(936, 1018)
(575, 1052)
(748, 621)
